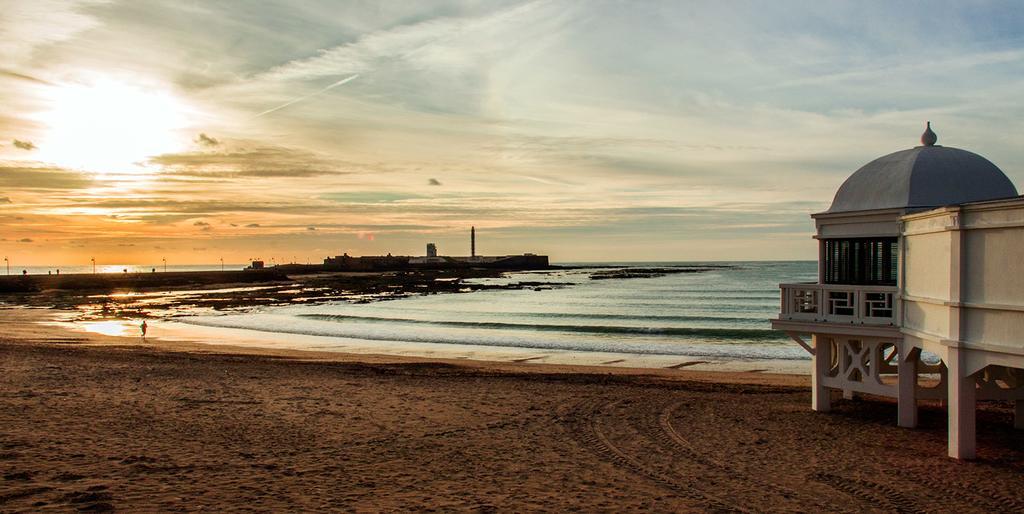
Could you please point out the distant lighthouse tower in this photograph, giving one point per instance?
(472, 242)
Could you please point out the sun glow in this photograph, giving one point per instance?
(110, 328)
(109, 127)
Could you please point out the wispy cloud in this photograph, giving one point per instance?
(245, 161)
(943, 65)
(28, 26)
(42, 178)
(23, 77)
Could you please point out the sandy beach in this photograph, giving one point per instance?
(97, 423)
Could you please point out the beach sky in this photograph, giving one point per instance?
(133, 131)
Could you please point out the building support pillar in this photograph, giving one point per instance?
(907, 387)
(962, 397)
(822, 360)
(1018, 414)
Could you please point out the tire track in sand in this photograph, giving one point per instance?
(993, 499)
(671, 438)
(588, 432)
(870, 492)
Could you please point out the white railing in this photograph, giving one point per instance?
(836, 303)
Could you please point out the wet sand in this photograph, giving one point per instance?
(95, 422)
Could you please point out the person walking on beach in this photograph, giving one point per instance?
(143, 327)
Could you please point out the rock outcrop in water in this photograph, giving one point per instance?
(650, 272)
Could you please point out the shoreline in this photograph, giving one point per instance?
(43, 324)
(167, 310)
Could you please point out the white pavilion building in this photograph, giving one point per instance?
(921, 250)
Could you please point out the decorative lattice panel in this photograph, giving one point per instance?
(842, 303)
(805, 301)
(877, 305)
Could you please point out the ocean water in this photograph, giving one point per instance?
(718, 315)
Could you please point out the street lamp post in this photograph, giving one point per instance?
(165, 264)
(93, 259)
(222, 264)
(8, 265)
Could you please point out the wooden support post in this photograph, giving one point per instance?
(800, 341)
(907, 388)
(1018, 415)
(822, 359)
(962, 395)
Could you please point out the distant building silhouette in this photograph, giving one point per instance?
(434, 261)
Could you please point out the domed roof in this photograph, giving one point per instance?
(923, 177)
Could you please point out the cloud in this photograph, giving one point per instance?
(190, 209)
(25, 240)
(441, 59)
(206, 229)
(433, 182)
(311, 228)
(42, 177)
(28, 26)
(253, 225)
(369, 197)
(24, 145)
(24, 77)
(5, 199)
(368, 236)
(201, 224)
(205, 140)
(260, 161)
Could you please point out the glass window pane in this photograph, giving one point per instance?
(866, 261)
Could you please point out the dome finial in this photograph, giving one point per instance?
(929, 138)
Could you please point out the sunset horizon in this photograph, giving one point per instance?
(197, 133)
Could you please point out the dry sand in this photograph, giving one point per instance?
(92, 422)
